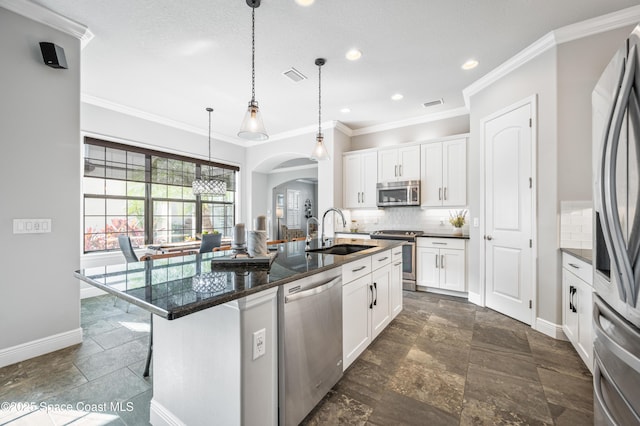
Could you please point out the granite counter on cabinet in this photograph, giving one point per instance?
(165, 286)
(586, 255)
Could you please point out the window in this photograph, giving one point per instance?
(147, 195)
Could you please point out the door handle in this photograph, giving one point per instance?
(358, 197)
(400, 168)
(488, 237)
(383, 259)
(442, 261)
(573, 265)
(440, 193)
(359, 269)
(363, 197)
(572, 306)
(371, 304)
(436, 261)
(612, 229)
(395, 170)
(445, 192)
(375, 301)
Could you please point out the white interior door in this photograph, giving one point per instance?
(508, 221)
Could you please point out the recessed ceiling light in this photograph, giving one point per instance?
(305, 2)
(470, 64)
(345, 110)
(294, 74)
(353, 55)
(397, 96)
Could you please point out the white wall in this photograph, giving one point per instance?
(39, 178)
(580, 64)
(414, 133)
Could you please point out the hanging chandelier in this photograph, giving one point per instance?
(252, 127)
(207, 185)
(320, 150)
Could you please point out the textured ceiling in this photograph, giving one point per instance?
(172, 58)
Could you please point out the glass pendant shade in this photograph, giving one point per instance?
(252, 127)
(320, 152)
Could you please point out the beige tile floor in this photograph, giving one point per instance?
(441, 361)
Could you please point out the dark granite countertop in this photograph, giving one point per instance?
(165, 287)
(444, 235)
(586, 255)
(426, 234)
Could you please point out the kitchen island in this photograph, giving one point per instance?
(215, 350)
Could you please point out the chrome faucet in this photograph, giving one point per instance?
(344, 222)
(309, 220)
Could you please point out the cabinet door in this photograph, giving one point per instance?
(427, 271)
(452, 270)
(409, 163)
(369, 178)
(388, 165)
(569, 318)
(396, 286)
(454, 173)
(584, 307)
(380, 313)
(356, 319)
(352, 175)
(431, 174)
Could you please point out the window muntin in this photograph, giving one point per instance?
(147, 195)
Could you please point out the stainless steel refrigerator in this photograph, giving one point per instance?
(616, 168)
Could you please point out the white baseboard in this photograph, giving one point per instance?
(160, 416)
(88, 292)
(39, 347)
(475, 299)
(550, 329)
(441, 291)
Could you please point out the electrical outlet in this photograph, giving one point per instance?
(31, 226)
(259, 343)
(442, 221)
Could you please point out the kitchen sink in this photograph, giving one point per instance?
(341, 249)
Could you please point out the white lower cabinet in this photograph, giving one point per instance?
(441, 263)
(356, 320)
(577, 305)
(366, 303)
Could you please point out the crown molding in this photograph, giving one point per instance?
(450, 113)
(338, 125)
(589, 27)
(134, 112)
(48, 17)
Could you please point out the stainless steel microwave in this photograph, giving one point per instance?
(398, 194)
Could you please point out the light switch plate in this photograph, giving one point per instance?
(476, 222)
(31, 226)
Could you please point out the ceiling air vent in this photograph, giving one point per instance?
(433, 103)
(294, 75)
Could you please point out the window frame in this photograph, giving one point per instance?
(148, 198)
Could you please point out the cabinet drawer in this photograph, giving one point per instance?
(396, 254)
(379, 260)
(580, 268)
(449, 243)
(357, 269)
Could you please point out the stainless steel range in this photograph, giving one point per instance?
(408, 253)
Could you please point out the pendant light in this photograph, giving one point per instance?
(252, 127)
(209, 185)
(320, 150)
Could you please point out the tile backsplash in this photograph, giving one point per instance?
(405, 218)
(576, 224)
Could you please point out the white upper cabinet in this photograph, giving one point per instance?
(397, 164)
(444, 173)
(360, 173)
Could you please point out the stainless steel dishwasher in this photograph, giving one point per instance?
(310, 343)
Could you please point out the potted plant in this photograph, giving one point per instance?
(457, 219)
